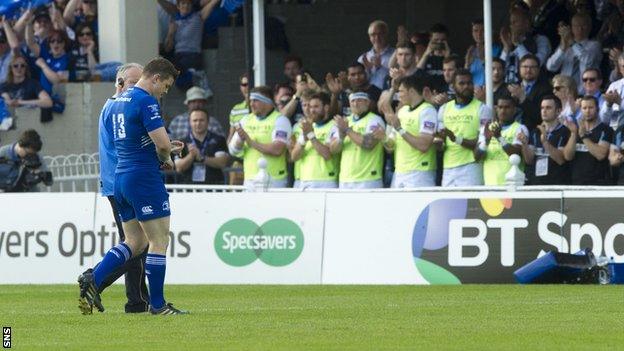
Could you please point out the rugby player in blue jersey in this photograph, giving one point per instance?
(136, 288)
(142, 147)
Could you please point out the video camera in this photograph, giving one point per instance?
(23, 175)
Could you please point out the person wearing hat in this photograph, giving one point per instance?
(262, 134)
(180, 127)
(359, 141)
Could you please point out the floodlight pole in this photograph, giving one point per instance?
(259, 66)
(487, 24)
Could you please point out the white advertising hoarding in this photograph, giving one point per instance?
(215, 238)
(41, 236)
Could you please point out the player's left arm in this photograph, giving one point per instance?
(153, 123)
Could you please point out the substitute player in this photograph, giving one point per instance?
(136, 289)
(142, 148)
(415, 123)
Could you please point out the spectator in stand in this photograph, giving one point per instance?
(432, 60)
(614, 96)
(402, 63)
(616, 155)
(356, 77)
(22, 91)
(498, 140)
(592, 81)
(242, 108)
(420, 41)
(184, 38)
(498, 81)
(83, 59)
(543, 149)
(475, 55)
(196, 99)
(264, 133)
(81, 12)
(53, 63)
(576, 52)
(204, 155)
(589, 153)
(518, 42)
(293, 66)
(449, 67)
(459, 122)
(360, 142)
(6, 55)
(315, 163)
(530, 91)
(377, 58)
(564, 87)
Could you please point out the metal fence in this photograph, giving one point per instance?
(75, 172)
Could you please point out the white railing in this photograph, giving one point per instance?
(75, 172)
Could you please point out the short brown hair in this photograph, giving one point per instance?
(162, 67)
(263, 90)
(322, 96)
(30, 139)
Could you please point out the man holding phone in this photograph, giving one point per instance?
(433, 59)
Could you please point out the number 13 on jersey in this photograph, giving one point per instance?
(119, 126)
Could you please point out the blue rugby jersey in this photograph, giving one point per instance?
(135, 113)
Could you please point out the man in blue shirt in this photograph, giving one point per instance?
(143, 147)
(136, 289)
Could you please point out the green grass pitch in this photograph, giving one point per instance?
(471, 317)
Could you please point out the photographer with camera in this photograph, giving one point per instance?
(21, 167)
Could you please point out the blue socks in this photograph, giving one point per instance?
(155, 267)
(114, 258)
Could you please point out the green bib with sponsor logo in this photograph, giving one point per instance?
(407, 158)
(496, 163)
(463, 122)
(313, 166)
(261, 130)
(356, 163)
(239, 111)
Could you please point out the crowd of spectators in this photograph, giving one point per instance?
(413, 114)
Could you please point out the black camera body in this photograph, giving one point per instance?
(22, 175)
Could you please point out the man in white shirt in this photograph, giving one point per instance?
(576, 52)
(377, 58)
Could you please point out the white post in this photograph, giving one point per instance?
(487, 24)
(258, 41)
(128, 30)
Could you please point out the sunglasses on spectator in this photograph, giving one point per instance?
(18, 65)
(558, 87)
(85, 34)
(589, 79)
(56, 41)
(88, 2)
(244, 84)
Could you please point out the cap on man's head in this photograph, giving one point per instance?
(196, 93)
